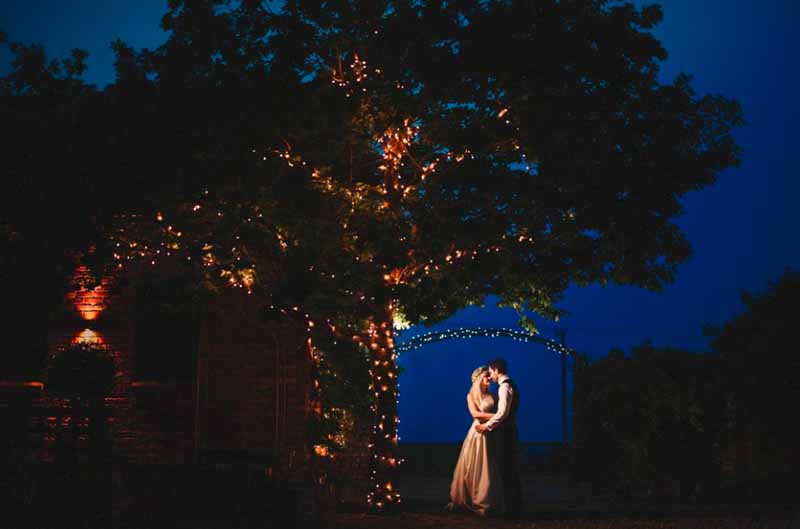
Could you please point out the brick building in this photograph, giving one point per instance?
(222, 383)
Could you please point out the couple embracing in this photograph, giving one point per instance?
(486, 479)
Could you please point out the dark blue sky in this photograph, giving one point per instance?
(743, 230)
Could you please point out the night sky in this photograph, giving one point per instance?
(743, 230)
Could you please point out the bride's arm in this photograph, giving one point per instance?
(476, 413)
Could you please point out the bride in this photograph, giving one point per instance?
(477, 484)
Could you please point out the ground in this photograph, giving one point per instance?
(463, 521)
(553, 504)
(191, 497)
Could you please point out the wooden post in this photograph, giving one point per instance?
(562, 333)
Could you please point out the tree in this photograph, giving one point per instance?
(413, 157)
(722, 409)
(761, 370)
(76, 159)
(461, 170)
(44, 211)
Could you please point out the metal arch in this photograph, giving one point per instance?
(419, 340)
(563, 351)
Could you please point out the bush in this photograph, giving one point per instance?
(649, 421)
(81, 371)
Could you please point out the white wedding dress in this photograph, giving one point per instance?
(477, 484)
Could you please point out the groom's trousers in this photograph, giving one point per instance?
(512, 487)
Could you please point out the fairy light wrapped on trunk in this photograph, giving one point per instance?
(378, 338)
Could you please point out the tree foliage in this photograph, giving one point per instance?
(761, 371)
(650, 419)
(573, 155)
(540, 149)
(713, 422)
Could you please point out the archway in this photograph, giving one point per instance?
(558, 347)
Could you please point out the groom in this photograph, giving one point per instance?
(504, 426)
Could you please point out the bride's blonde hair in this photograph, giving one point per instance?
(475, 392)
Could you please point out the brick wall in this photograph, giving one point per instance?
(255, 378)
(252, 394)
(141, 421)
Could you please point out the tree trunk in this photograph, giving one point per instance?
(384, 496)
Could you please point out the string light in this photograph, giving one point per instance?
(420, 340)
(403, 179)
(384, 495)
